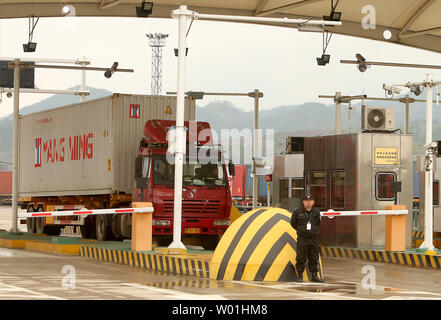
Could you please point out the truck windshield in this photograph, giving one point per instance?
(211, 174)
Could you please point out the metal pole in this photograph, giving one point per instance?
(268, 196)
(337, 113)
(15, 145)
(428, 188)
(406, 125)
(182, 13)
(255, 146)
(83, 80)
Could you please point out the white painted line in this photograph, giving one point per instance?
(32, 293)
(176, 294)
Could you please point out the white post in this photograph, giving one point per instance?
(406, 125)
(255, 146)
(337, 113)
(182, 13)
(83, 80)
(428, 188)
(15, 146)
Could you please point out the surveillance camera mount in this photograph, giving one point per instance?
(31, 46)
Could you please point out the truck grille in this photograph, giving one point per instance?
(194, 206)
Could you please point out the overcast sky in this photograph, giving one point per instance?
(227, 57)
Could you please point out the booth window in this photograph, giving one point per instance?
(316, 184)
(383, 186)
(436, 192)
(283, 188)
(298, 187)
(337, 190)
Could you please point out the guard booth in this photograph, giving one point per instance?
(356, 172)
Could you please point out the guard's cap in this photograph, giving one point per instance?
(307, 197)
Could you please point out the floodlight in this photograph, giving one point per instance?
(29, 47)
(333, 16)
(323, 60)
(144, 10)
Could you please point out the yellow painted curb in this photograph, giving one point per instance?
(14, 244)
(173, 251)
(53, 248)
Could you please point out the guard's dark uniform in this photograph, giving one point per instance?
(307, 240)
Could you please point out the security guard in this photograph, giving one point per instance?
(306, 221)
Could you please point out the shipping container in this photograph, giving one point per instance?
(238, 189)
(89, 147)
(5, 183)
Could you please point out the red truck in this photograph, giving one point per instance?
(108, 152)
(206, 196)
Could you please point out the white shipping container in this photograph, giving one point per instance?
(89, 147)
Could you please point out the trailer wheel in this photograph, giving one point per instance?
(88, 232)
(52, 230)
(209, 242)
(30, 222)
(39, 222)
(116, 227)
(103, 228)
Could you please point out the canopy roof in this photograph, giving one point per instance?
(414, 23)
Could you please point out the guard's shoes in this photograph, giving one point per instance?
(316, 279)
(299, 278)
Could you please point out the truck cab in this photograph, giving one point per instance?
(206, 195)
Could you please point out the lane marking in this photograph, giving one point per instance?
(177, 294)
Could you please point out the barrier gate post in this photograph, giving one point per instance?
(395, 231)
(142, 228)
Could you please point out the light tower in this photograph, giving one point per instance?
(157, 41)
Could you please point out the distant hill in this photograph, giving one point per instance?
(308, 119)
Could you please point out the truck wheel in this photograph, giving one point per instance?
(209, 242)
(103, 229)
(52, 230)
(88, 232)
(39, 222)
(30, 222)
(116, 227)
(163, 241)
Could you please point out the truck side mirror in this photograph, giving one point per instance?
(138, 167)
(231, 169)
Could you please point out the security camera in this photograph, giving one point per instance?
(416, 90)
(9, 94)
(361, 66)
(390, 90)
(109, 72)
(433, 148)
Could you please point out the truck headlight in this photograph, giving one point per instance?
(156, 222)
(221, 222)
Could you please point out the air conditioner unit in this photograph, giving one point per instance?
(377, 119)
